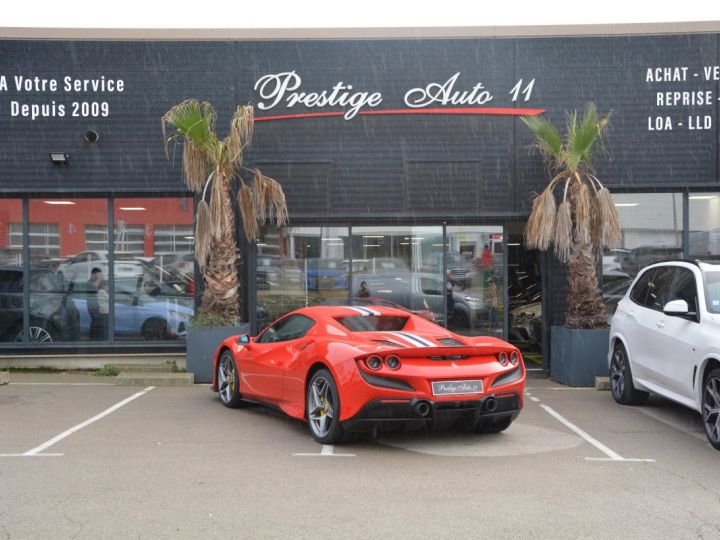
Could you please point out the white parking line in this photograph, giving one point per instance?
(44, 446)
(327, 451)
(612, 455)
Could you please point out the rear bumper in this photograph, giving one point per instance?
(416, 413)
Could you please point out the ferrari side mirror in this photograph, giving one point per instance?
(243, 339)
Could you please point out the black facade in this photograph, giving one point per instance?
(417, 165)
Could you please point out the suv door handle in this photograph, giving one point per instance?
(660, 324)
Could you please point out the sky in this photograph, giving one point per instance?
(343, 13)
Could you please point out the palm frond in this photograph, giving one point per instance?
(241, 132)
(269, 199)
(583, 136)
(610, 218)
(547, 137)
(191, 119)
(195, 166)
(563, 232)
(541, 223)
(248, 214)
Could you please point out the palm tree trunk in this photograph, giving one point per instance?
(221, 280)
(585, 305)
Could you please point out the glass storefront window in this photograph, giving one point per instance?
(474, 266)
(62, 299)
(652, 230)
(402, 267)
(704, 224)
(11, 270)
(298, 267)
(154, 268)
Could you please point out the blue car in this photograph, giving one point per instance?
(326, 274)
(142, 316)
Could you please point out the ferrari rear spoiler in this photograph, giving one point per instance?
(443, 353)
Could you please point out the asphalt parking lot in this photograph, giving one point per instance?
(82, 459)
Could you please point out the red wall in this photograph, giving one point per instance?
(72, 219)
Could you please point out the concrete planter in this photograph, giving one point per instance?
(202, 342)
(578, 356)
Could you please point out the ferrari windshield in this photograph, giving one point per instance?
(362, 323)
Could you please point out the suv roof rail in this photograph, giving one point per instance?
(696, 262)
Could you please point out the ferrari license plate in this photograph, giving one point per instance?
(445, 388)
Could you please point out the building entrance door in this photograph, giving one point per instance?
(525, 305)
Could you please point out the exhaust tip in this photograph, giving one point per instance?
(422, 409)
(491, 404)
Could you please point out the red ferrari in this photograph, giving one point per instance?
(360, 369)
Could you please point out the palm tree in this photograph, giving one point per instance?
(586, 217)
(210, 165)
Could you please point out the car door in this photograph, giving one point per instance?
(263, 370)
(677, 337)
(650, 340)
(630, 316)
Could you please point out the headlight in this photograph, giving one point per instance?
(473, 299)
(180, 315)
(520, 317)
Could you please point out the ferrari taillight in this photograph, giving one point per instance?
(392, 362)
(502, 358)
(514, 358)
(374, 362)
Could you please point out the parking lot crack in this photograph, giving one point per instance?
(693, 481)
(81, 526)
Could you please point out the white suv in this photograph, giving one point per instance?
(665, 338)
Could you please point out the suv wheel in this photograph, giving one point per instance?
(621, 384)
(711, 408)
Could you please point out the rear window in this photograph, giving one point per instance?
(712, 290)
(361, 323)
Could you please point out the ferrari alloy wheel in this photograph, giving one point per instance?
(711, 408)
(621, 385)
(228, 381)
(322, 406)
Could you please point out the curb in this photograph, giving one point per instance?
(602, 383)
(4, 377)
(155, 379)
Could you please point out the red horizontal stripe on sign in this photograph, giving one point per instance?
(472, 110)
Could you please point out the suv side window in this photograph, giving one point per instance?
(659, 287)
(685, 288)
(640, 290)
(293, 327)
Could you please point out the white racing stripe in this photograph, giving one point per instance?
(413, 339)
(365, 312)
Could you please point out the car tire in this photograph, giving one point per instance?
(155, 330)
(711, 407)
(621, 384)
(228, 381)
(322, 409)
(493, 425)
(460, 319)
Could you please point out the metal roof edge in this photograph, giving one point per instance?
(280, 34)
